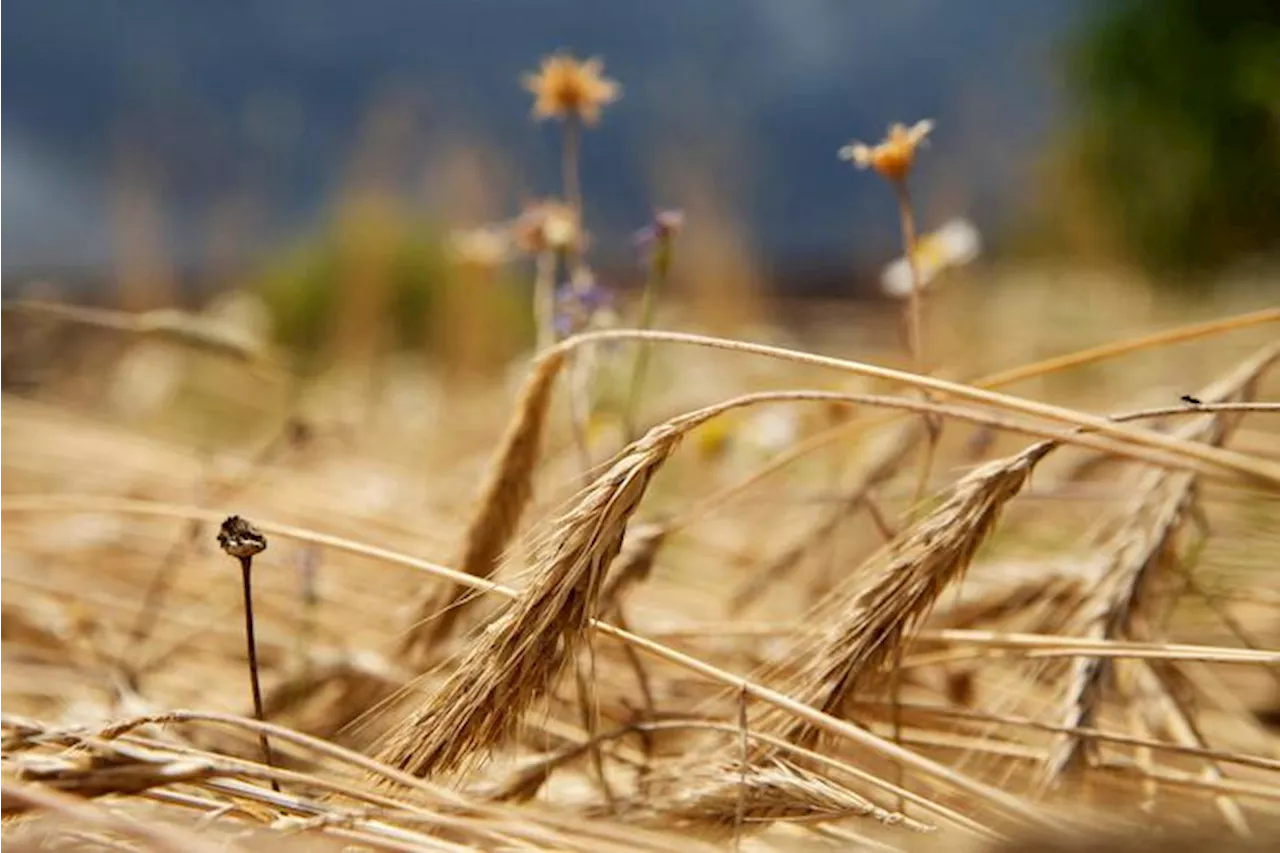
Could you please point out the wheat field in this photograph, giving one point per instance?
(1002, 582)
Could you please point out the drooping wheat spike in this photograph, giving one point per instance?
(113, 770)
(518, 658)
(931, 555)
(1134, 556)
(935, 553)
(712, 802)
(507, 490)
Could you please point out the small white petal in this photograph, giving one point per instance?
(920, 130)
(895, 281)
(954, 244)
(856, 153)
(960, 241)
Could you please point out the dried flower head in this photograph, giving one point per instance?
(240, 539)
(893, 157)
(548, 224)
(485, 247)
(565, 87)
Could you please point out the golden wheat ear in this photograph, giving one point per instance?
(728, 799)
(517, 658)
(1135, 562)
(934, 554)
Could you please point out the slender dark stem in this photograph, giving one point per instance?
(246, 569)
(161, 583)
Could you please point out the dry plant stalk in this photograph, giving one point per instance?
(724, 797)
(507, 490)
(1239, 467)
(518, 657)
(1136, 557)
(182, 327)
(1056, 364)
(240, 539)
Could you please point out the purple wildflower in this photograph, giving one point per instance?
(663, 227)
(579, 303)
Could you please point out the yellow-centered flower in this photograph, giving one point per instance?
(565, 87)
(893, 157)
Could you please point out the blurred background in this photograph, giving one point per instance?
(158, 152)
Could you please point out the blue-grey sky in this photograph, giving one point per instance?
(270, 98)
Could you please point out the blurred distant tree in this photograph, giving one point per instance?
(1178, 137)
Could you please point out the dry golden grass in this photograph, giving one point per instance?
(778, 652)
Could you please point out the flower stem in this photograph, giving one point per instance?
(653, 283)
(246, 569)
(915, 343)
(915, 338)
(544, 299)
(580, 390)
(580, 369)
(572, 143)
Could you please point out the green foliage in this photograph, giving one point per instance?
(1179, 136)
(300, 291)
(395, 278)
